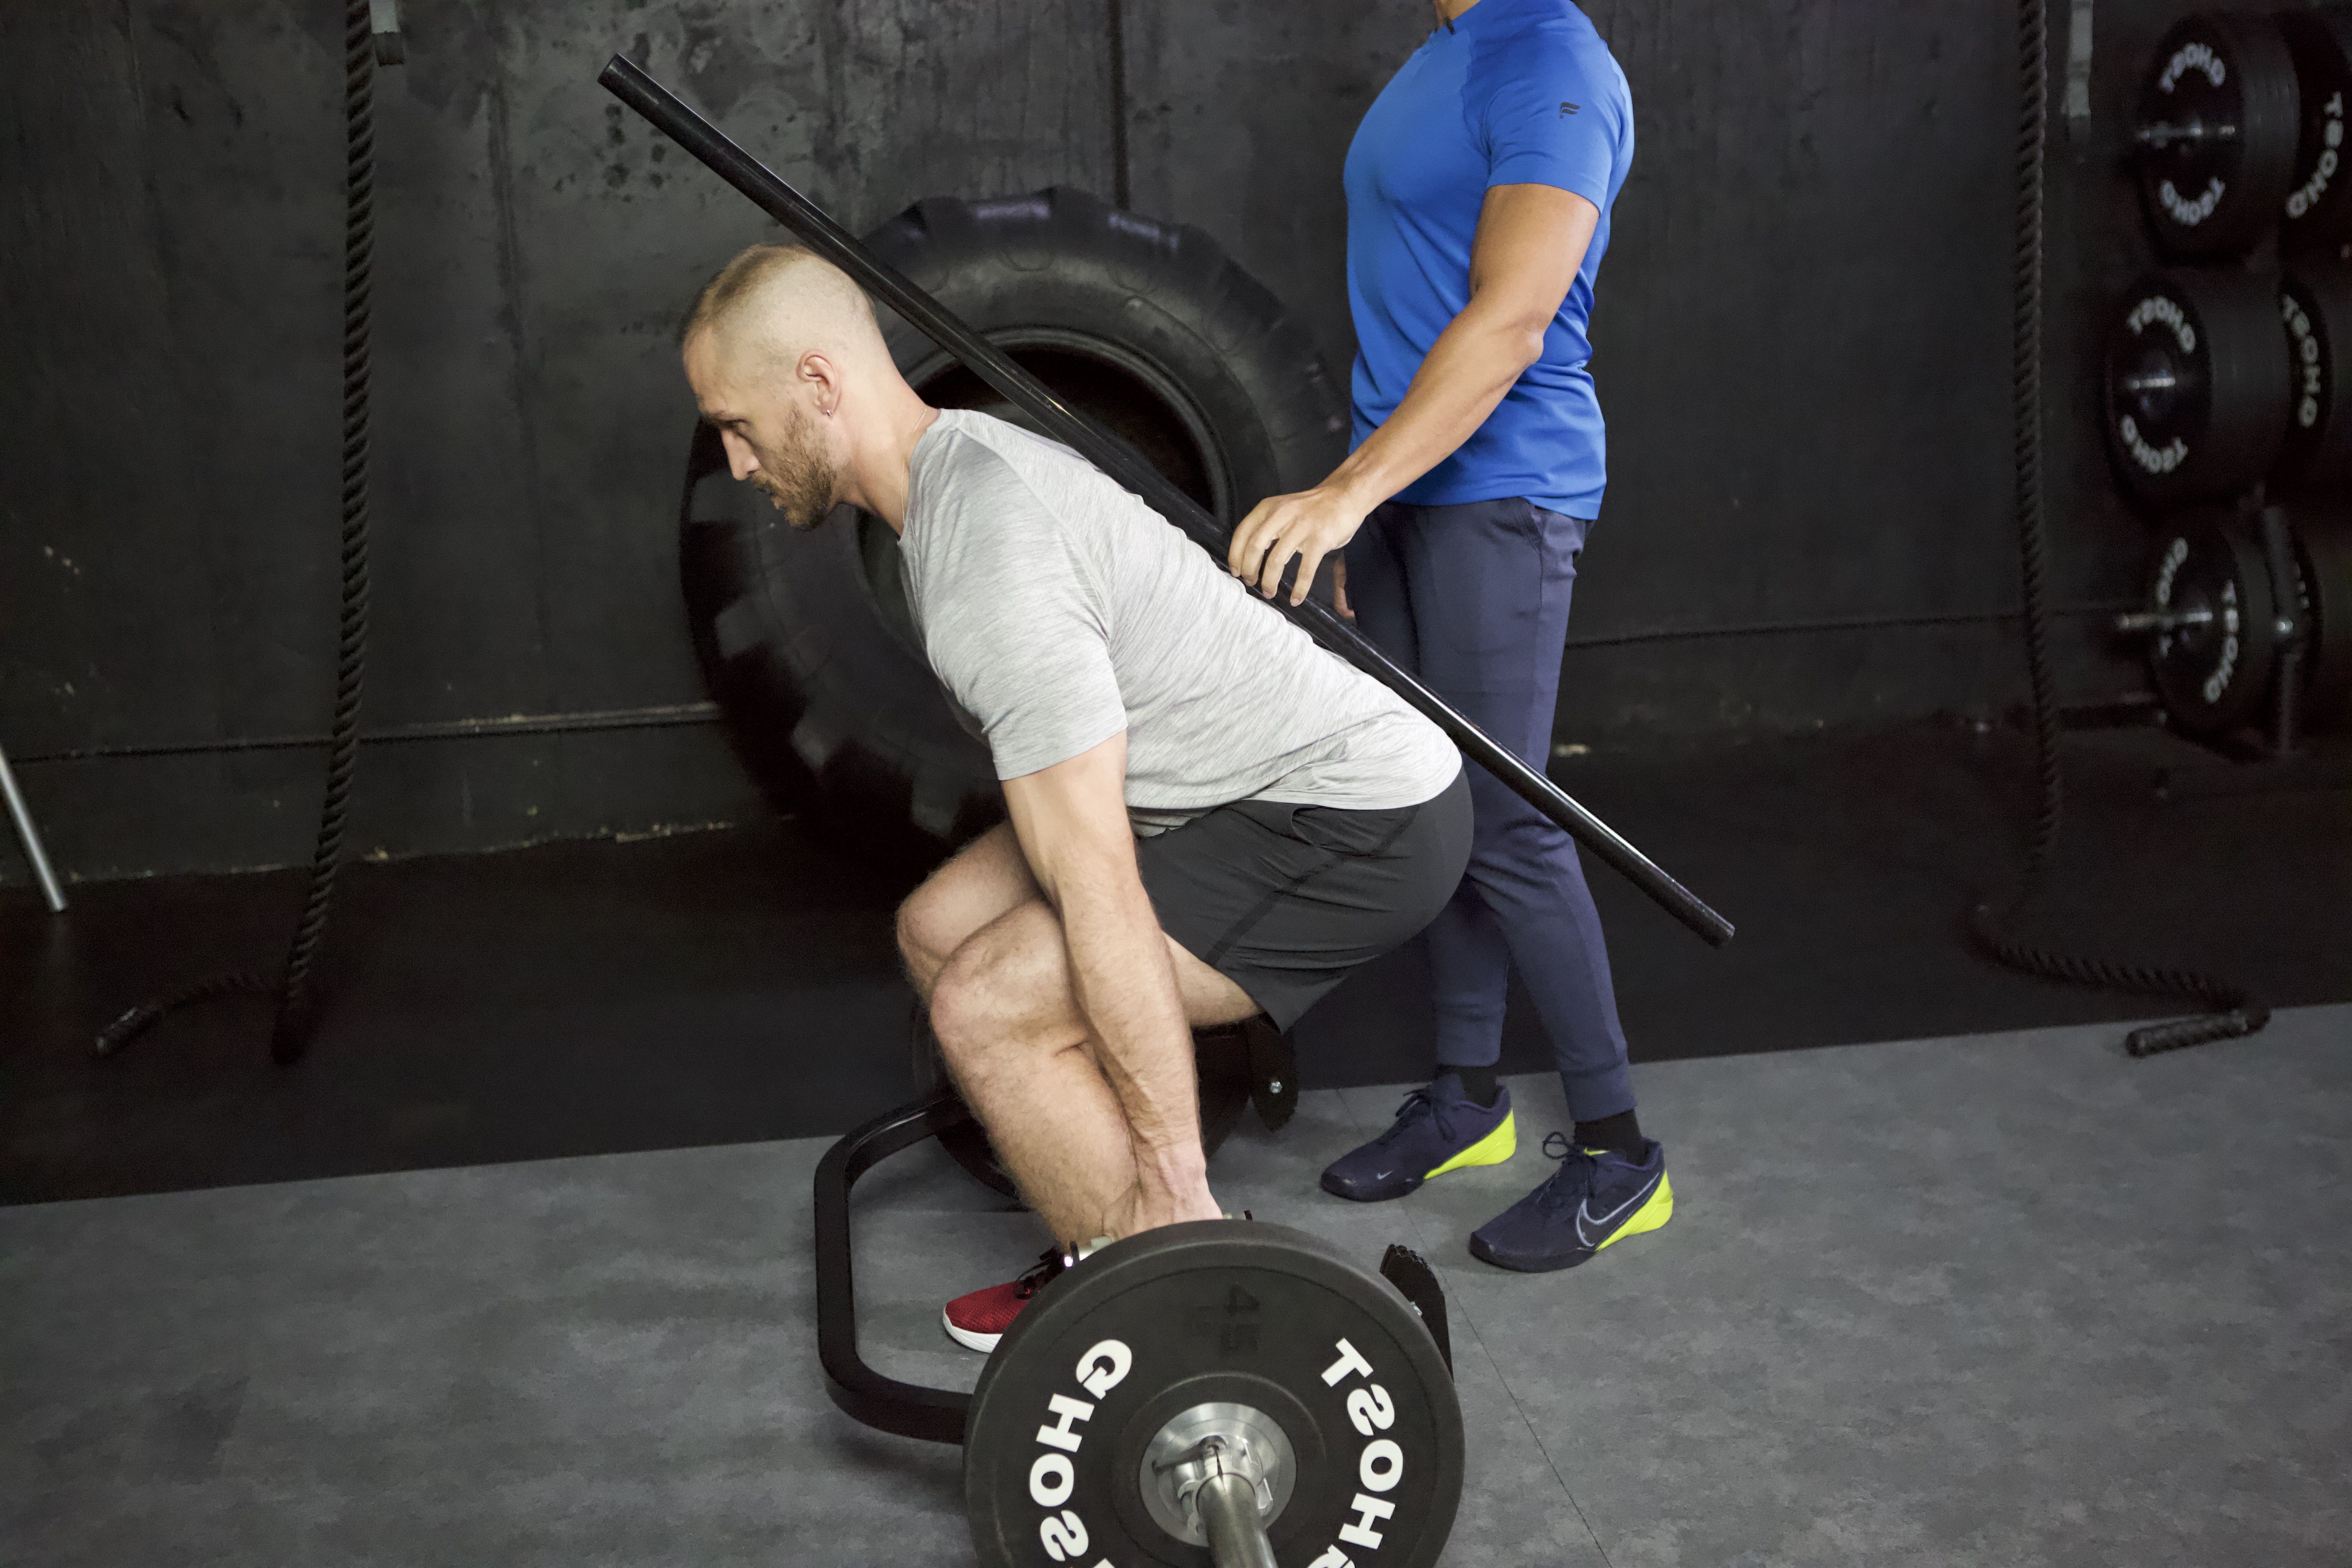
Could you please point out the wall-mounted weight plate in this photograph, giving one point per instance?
(2323, 552)
(2318, 209)
(2217, 128)
(1316, 1364)
(2196, 385)
(2215, 654)
(2316, 302)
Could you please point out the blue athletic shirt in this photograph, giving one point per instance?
(1519, 92)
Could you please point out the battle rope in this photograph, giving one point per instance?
(296, 1004)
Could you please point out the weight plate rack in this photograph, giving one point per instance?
(2227, 376)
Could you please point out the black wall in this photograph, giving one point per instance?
(1802, 346)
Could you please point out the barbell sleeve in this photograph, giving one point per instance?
(1229, 1518)
(2136, 623)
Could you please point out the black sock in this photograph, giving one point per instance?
(1479, 1083)
(1620, 1132)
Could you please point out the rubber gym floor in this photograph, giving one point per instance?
(516, 1266)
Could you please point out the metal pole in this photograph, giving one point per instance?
(30, 838)
(1229, 1518)
(670, 114)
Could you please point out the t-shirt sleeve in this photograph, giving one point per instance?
(1019, 638)
(1549, 124)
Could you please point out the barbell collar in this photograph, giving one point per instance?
(629, 82)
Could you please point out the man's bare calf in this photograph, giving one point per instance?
(985, 951)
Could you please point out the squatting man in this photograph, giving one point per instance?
(1209, 816)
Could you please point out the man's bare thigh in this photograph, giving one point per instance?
(1017, 970)
(986, 879)
(989, 880)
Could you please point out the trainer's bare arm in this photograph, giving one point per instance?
(1531, 240)
(1072, 824)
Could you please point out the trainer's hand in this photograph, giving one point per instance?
(1304, 527)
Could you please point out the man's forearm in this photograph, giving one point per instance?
(1469, 369)
(1126, 990)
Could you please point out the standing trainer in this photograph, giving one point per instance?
(1478, 192)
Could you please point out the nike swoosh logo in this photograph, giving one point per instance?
(1600, 1224)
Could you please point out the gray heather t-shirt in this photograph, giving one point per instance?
(1058, 609)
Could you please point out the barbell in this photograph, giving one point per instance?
(2217, 130)
(2249, 622)
(2218, 379)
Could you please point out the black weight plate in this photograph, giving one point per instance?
(2324, 546)
(2214, 678)
(1217, 1310)
(2197, 384)
(2319, 195)
(2316, 302)
(1221, 1057)
(2217, 128)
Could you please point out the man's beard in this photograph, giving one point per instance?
(798, 481)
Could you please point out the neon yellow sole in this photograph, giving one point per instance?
(1492, 1149)
(1649, 1217)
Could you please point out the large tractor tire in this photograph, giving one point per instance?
(1148, 329)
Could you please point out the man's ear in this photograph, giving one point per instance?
(824, 379)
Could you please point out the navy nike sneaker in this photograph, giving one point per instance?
(1597, 1197)
(1438, 1129)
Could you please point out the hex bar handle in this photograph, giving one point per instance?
(629, 82)
(934, 1415)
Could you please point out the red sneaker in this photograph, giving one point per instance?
(977, 1321)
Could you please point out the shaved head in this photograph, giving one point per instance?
(783, 301)
(789, 366)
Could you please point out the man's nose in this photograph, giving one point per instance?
(739, 460)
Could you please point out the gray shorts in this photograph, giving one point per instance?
(1287, 900)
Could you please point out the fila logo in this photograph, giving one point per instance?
(1566, 109)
